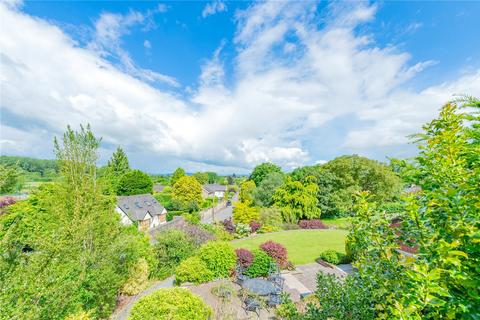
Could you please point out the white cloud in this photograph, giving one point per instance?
(213, 7)
(281, 95)
(147, 44)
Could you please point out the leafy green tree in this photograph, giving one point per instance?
(247, 189)
(9, 178)
(202, 177)
(135, 182)
(187, 194)
(263, 194)
(177, 174)
(262, 170)
(44, 168)
(111, 174)
(63, 249)
(441, 224)
(212, 177)
(297, 200)
(119, 162)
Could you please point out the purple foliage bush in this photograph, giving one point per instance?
(311, 224)
(228, 225)
(6, 202)
(244, 257)
(255, 225)
(198, 234)
(276, 251)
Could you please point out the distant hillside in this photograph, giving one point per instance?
(43, 167)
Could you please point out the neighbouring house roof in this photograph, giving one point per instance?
(157, 187)
(136, 207)
(211, 188)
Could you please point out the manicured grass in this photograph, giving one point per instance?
(303, 246)
(339, 223)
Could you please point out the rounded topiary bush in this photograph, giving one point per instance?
(193, 270)
(244, 257)
(219, 257)
(171, 303)
(330, 256)
(260, 265)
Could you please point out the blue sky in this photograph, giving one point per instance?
(226, 85)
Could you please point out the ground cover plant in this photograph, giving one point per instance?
(303, 246)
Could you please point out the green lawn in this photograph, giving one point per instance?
(303, 246)
(340, 223)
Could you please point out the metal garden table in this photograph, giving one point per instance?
(259, 286)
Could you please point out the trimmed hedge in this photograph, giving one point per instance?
(171, 303)
(312, 224)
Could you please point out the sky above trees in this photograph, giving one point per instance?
(223, 86)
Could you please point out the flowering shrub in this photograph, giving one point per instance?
(243, 229)
(254, 226)
(244, 257)
(198, 234)
(276, 251)
(228, 225)
(311, 224)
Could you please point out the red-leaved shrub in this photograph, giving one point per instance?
(255, 225)
(228, 225)
(311, 224)
(6, 201)
(244, 257)
(276, 251)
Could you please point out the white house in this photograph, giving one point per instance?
(143, 209)
(214, 190)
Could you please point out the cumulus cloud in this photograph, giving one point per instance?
(292, 78)
(213, 7)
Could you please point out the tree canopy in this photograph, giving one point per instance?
(9, 178)
(263, 194)
(64, 251)
(135, 182)
(297, 200)
(262, 170)
(187, 194)
(177, 174)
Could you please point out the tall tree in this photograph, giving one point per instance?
(177, 174)
(135, 182)
(187, 194)
(297, 200)
(63, 249)
(263, 194)
(118, 163)
(262, 170)
(202, 177)
(247, 189)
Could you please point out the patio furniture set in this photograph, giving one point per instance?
(261, 291)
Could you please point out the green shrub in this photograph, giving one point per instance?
(271, 217)
(268, 229)
(138, 278)
(193, 270)
(82, 315)
(330, 256)
(171, 303)
(219, 232)
(193, 217)
(172, 247)
(290, 226)
(260, 265)
(242, 230)
(219, 257)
